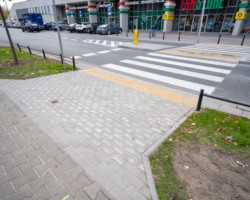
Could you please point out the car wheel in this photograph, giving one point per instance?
(23, 29)
(71, 31)
(38, 31)
(84, 30)
(120, 31)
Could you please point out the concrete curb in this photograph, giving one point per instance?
(153, 148)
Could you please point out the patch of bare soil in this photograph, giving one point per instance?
(20, 63)
(211, 173)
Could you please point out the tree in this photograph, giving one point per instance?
(5, 13)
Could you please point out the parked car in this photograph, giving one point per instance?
(107, 29)
(48, 26)
(61, 25)
(16, 25)
(82, 27)
(71, 27)
(10, 24)
(91, 28)
(30, 27)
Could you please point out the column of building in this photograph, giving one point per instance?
(244, 5)
(169, 11)
(123, 11)
(92, 11)
(70, 19)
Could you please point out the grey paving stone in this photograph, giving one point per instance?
(92, 190)
(24, 192)
(6, 189)
(117, 193)
(134, 193)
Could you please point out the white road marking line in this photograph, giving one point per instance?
(74, 39)
(90, 41)
(160, 78)
(112, 44)
(76, 57)
(176, 71)
(97, 41)
(117, 49)
(237, 49)
(102, 52)
(120, 43)
(89, 54)
(104, 42)
(225, 64)
(187, 65)
(64, 38)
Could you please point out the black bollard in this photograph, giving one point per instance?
(200, 100)
(44, 54)
(29, 50)
(242, 42)
(19, 47)
(74, 64)
(179, 36)
(218, 42)
(61, 58)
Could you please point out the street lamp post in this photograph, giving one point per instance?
(201, 20)
(8, 35)
(59, 36)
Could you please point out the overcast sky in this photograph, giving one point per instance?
(9, 3)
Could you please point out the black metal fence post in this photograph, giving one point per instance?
(61, 58)
(242, 42)
(74, 64)
(29, 50)
(19, 47)
(200, 100)
(149, 34)
(218, 42)
(179, 36)
(44, 54)
(163, 37)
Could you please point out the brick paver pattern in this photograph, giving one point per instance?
(104, 127)
(32, 166)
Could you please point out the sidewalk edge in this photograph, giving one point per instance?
(153, 148)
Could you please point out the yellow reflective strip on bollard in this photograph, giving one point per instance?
(65, 197)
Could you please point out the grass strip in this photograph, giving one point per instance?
(208, 127)
(30, 66)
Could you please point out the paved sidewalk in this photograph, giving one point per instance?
(32, 166)
(189, 38)
(102, 126)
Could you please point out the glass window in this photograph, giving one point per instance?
(232, 2)
(48, 9)
(188, 23)
(210, 23)
(218, 23)
(175, 24)
(182, 23)
(155, 6)
(195, 24)
(150, 6)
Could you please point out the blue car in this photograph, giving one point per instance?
(107, 29)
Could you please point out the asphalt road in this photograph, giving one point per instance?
(102, 51)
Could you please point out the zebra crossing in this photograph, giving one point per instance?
(105, 42)
(183, 73)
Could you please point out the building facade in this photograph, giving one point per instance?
(170, 15)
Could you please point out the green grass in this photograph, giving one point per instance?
(30, 66)
(209, 127)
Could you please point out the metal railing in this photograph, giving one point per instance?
(45, 55)
(213, 97)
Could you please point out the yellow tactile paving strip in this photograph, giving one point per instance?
(143, 87)
(213, 52)
(200, 56)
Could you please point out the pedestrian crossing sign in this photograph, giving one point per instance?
(168, 17)
(241, 15)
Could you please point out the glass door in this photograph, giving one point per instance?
(182, 23)
(148, 23)
(195, 24)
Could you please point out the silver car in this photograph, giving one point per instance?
(82, 27)
(61, 25)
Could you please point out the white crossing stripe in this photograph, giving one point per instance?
(112, 44)
(187, 65)
(97, 41)
(64, 38)
(89, 54)
(74, 39)
(225, 64)
(176, 71)
(102, 52)
(161, 78)
(117, 49)
(104, 42)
